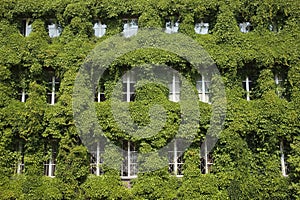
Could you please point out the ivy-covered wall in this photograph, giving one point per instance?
(247, 155)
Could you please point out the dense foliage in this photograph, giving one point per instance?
(247, 155)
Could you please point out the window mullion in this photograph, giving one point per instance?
(128, 87)
(98, 159)
(175, 158)
(50, 166)
(282, 160)
(20, 163)
(203, 89)
(99, 94)
(247, 88)
(53, 91)
(23, 96)
(174, 88)
(128, 156)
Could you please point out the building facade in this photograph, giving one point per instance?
(255, 48)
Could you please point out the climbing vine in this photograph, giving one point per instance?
(247, 155)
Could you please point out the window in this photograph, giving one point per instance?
(174, 88)
(20, 164)
(130, 27)
(247, 85)
(26, 27)
(272, 28)
(282, 159)
(206, 161)
(172, 27)
(128, 86)
(49, 164)
(22, 95)
(96, 159)
(202, 86)
(130, 166)
(100, 95)
(99, 29)
(175, 158)
(245, 27)
(54, 30)
(53, 87)
(275, 26)
(201, 28)
(279, 85)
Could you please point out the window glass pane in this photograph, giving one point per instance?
(99, 29)
(171, 168)
(132, 87)
(130, 27)
(54, 30)
(201, 28)
(207, 85)
(245, 27)
(199, 86)
(26, 27)
(172, 27)
(124, 87)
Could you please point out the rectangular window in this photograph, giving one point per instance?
(172, 27)
(54, 30)
(130, 166)
(279, 85)
(201, 28)
(100, 95)
(96, 159)
(248, 86)
(26, 27)
(203, 85)
(99, 29)
(174, 88)
(175, 158)
(282, 159)
(53, 87)
(22, 95)
(206, 161)
(20, 164)
(50, 163)
(130, 27)
(128, 86)
(245, 27)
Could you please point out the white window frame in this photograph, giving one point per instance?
(282, 159)
(175, 158)
(247, 82)
(129, 82)
(174, 88)
(172, 27)
(201, 28)
(274, 27)
(278, 82)
(130, 27)
(278, 79)
(27, 27)
(54, 30)
(206, 162)
(96, 160)
(203, 86)
(23, 95)
(50, 165)
(20, 165)
(100, 93)
(54, 81)
(245, 27)
(99, 29)
(129, 167)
